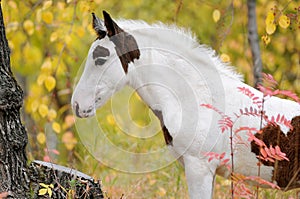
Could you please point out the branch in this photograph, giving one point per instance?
(66, 182)
(253, 41)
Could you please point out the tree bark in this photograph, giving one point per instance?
(254, 42)
(14, 180)
(17, 180)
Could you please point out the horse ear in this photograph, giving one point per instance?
(99, 27)
(125, 44)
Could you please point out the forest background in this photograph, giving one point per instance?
(49, 41)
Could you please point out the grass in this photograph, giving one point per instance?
(167, 182)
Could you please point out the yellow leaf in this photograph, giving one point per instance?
(216, 15)
(61, 69)
(44, 185)
(47, 17)
(53, 36)
(28, 26)
(43, 191)
(266, 39)
(34, 106)
(84, 6)
(69, 1)
(12, 4)
(47, 4)
(36, 90)
(11, 45)
(49, 192)
(43, 110)
(51, 186)
(270, 16)
(50, 83)
(56, 127)
(80, 31)
(284, 21)
(41, 138)
(225, 58)
(39, 15)
(61, 5)
(41, 78)
(52, 114)
(68, 39)
(270, 28)
(47, 66)
(270, 23)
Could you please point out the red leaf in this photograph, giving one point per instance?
(267, 150)
(257, 141)
(225, 161)
(222, 155)
(272, 150)
(263, 152)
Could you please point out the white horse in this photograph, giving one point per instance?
(174, 75)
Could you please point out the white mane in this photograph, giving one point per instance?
(191, 43)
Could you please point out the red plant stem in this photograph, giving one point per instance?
(232, 163)
(260, 127)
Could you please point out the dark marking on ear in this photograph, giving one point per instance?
(167, 136)
(100, 52)
(285, 173)
(98, 27)
(125, 44)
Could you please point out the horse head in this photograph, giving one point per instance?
(106, 66)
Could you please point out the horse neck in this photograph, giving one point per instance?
(166, 86)
(175, 73)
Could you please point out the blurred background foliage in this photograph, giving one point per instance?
(49, 40)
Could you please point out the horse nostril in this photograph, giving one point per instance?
(76, 106)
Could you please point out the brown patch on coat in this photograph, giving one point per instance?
(285, 173)
(167, 136)
(126, 46)
(99, 53)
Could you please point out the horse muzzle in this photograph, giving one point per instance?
(82, 113)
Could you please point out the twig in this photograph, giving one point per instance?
(253, 41)
(178, 8)
(291, 181)
(232, 163)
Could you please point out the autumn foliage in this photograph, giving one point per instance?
(49, 40)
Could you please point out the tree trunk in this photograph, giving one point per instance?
(253, 41)
(17, 180)
(13, 138)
